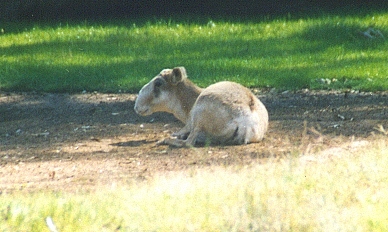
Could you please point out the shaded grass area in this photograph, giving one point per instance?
(123, 56)
(340, 189)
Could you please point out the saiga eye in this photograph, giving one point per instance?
(158, 82)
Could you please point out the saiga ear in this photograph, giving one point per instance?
(178, 75)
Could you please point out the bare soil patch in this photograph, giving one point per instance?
(82, 142)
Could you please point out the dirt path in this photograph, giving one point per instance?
(85, 141)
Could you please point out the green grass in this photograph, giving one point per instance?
(342, 191)
(280, 53)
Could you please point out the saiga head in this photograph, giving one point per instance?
(158, 94)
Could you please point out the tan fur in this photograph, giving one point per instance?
(186, 92)
(225, 112)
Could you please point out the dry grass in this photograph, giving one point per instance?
(341, 188)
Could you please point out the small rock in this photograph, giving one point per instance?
(341, 117)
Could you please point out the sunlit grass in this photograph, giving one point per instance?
(285, 54)
(341, 189)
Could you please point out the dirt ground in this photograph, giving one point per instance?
(82, 142)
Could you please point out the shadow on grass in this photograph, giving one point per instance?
(123, 61)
